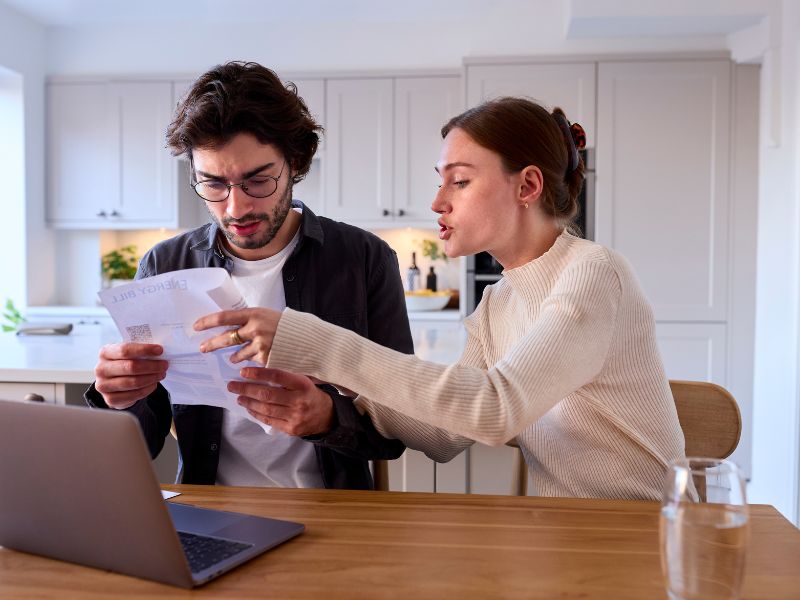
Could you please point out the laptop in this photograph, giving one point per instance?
(77, 485)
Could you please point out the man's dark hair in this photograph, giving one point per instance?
(245, 97)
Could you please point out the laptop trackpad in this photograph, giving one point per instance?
(200, 520)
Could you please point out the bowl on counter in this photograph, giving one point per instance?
(426, 300)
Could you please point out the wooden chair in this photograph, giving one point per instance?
(709, 417)
(380, 475)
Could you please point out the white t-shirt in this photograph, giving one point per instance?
(248, 456)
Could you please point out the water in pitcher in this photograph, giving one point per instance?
(703, 550)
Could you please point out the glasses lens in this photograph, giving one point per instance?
(215, 191)
(260, 187)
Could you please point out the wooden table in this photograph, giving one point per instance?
(405, 545)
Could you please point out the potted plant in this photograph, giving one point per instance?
(12, 315)
(119, 266)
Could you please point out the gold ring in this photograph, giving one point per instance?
(235, 338)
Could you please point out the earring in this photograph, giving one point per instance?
(526, 205)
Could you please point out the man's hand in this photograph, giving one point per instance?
(127, 372)
(297, 406)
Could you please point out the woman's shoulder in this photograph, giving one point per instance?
(588, 252)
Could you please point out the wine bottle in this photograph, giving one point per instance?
(413, 275)
(430, 280)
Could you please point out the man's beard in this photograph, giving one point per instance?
(274, 221)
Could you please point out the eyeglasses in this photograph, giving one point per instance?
(257, 186)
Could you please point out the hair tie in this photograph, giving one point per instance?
(574, 137)
(578, 135)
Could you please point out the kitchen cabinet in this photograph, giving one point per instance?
(694, 351)
(422, 106)
(106, 161)
(16, 392)
(382, 145)
(663, 151)
(309, 190)
(312, 91)
(569, 85)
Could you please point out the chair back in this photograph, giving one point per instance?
(709, 417)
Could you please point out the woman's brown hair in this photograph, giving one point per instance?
(245, 97)
(523, 133)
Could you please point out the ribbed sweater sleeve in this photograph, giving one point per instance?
(564, 349)
(437, 443)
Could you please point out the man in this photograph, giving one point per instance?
(249, 138)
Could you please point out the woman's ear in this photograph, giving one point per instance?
(531, 185)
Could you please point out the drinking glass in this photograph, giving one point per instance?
(704, 529)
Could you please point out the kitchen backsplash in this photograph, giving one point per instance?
(79, 258)
(406, 240)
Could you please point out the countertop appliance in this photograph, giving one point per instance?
(483, 269)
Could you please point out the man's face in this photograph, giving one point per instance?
(249, 224)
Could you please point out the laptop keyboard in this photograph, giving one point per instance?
(203, 552)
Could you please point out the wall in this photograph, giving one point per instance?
(441, 40)
(12, 174)
(22, 51)
(776, 409)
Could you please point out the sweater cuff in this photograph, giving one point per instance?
(286, 353)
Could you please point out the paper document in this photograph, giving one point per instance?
(161, 310)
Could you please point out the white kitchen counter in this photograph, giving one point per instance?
(53, 358)
(71, 358)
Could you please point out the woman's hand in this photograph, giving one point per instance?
(254, 329)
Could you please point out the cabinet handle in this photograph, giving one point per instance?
(386, 212)
(102, 213)
(114, 213)
(401, 213)
(33, 398)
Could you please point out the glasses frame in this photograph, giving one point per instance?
(241, 184)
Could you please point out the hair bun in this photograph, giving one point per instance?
(578, 135)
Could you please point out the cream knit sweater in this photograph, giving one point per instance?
(561, 355)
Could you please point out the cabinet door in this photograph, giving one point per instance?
(358, 176)
(107, 164)
(693, 351)
(412, 472)
(147, 184)
(17, 391)
(82, 153)
(312, 91)
(568, 85)
(422, 106)
(662, 180)
(491, 469)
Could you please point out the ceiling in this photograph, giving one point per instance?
(76, 13)
(576, 18)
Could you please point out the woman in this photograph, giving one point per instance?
(561, 352)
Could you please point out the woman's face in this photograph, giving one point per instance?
(477, 198)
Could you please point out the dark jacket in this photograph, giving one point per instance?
(340, 273)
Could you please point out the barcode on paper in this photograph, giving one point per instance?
(140, 333)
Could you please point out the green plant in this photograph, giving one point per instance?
(431, 250)
(12, 315)
(120, 263)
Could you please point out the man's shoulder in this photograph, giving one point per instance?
(344, 233)
(181, 251)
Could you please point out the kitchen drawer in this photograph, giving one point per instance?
(18, 391)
